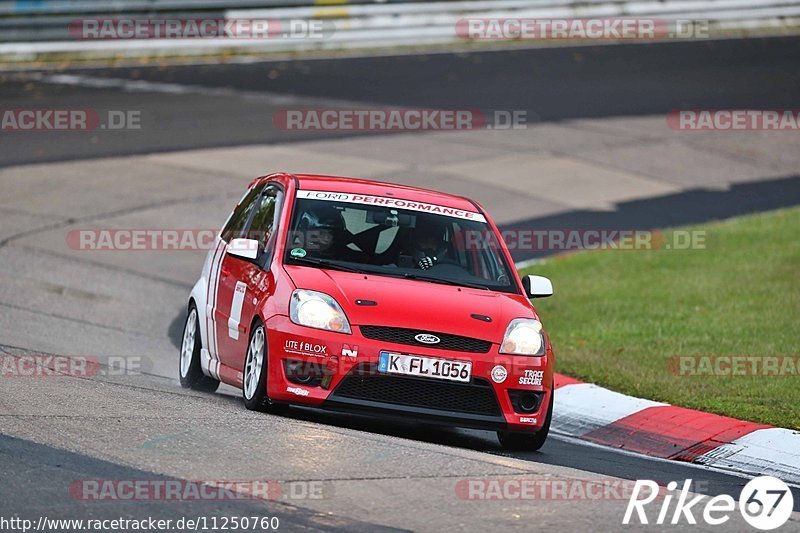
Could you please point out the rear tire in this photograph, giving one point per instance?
(189, 366)
(512, 440)
(254, 374)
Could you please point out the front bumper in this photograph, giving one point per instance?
(350, 381)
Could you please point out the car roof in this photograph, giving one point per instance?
(314, 182)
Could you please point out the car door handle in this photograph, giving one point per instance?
(225, 272)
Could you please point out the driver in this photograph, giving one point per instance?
(428, 243)
(323, 229)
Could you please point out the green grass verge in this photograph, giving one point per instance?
(617, 317)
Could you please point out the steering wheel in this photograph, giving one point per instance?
(446, 266)
(447, 261)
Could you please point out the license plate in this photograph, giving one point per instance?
(429, 367)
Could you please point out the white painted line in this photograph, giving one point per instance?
(140, 86)
(583, 407)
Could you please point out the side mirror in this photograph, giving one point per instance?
(537, 286)
(244, 248)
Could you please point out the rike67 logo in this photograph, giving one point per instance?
(765, 503)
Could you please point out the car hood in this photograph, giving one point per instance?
(416, 304)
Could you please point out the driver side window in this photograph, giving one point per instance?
(236, 223)
(263, 224)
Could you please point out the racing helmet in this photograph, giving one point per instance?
(430, 234)
(322, 227)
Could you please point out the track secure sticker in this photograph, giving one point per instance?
(499, 374)
(298, 252)
(532, 377)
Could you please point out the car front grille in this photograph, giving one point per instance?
(365, 383)
(454, 343)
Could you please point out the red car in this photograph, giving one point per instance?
(357, 295)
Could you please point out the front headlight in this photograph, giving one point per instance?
(317, 310)
(523, 337)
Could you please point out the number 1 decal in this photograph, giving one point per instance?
(236, 310)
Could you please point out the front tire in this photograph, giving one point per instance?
(530, 442)
(189, 366)
(254, 374)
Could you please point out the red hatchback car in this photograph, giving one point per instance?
(357, 295)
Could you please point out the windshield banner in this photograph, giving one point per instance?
(391, 202)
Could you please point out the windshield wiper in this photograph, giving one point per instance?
(445, 281)
(336, 266)
(328, 264)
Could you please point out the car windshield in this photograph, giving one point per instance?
(457, 249)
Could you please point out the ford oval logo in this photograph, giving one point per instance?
(427, 338)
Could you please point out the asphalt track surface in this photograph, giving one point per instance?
(51, 448)
(550, 84)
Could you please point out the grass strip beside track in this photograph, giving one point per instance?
(619, 318)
